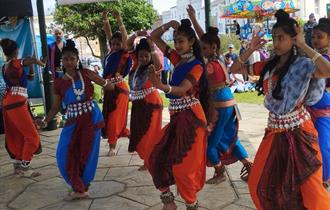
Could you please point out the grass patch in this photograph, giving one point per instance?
(249, 97)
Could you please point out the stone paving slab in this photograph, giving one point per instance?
(118, 184)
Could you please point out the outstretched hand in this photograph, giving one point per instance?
(257, 41)
(174, 24)
(191, 11)
(40, 123)
(115, 13)
(154, 76)
(142, 33)
(105, 15)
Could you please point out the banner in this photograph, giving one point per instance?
(22, 34)
(66, 2)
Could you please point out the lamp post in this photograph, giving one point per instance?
(48, 82)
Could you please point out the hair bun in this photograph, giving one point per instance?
(282, 16)
(213, 30)
(185, 23)
(143, 41)
(70, 44)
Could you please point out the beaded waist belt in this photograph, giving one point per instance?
(288, 121)
(140, 94)
(116, 80)
(181, 104)
(77, 109)
(18, 91)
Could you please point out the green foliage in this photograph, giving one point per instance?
(229, 39)
(86, 20)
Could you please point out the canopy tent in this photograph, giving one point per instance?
(258, 9)
(16, 24)
(20, 8)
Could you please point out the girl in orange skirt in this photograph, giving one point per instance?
(180, 156)
(147, 105)
(21, 136)
(287, 170)
(116, 67)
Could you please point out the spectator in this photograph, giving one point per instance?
(308, 27)
(55, 50)
(231, 54)
(238, 28)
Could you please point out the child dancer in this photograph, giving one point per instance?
(78, 147)
(287, 169)
(116, 67)
(183, 140)
(147, 105)
(21, 136)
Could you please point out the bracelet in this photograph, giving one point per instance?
(105, 20)
(240, 60)
(316, 56)
(105, 83)
(169, 89)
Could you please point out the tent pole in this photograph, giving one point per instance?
(39, 71)
(48, 82)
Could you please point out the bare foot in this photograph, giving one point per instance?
(75, 195)
(142, 168)
(111, 152)
(169, 206)
(216, 179)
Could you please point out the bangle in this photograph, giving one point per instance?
(316, 56)
(105, 83)
(240, 60)
(105, 20)
(169, 89)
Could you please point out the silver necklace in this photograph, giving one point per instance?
(187, 55)
(77, 92)
(270, 88)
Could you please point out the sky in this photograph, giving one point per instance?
(163, 5)
(159, 5)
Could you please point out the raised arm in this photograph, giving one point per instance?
(121, 28)
(181, 90)
(239, 66)
(322, 65)
(154, 55)
(192, 15)
(106, 25)
(156, 35)
(130, 40)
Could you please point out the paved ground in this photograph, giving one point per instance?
(118, 184)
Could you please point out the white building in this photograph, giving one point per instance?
(318, 7)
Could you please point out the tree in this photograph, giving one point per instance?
(85, 19)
